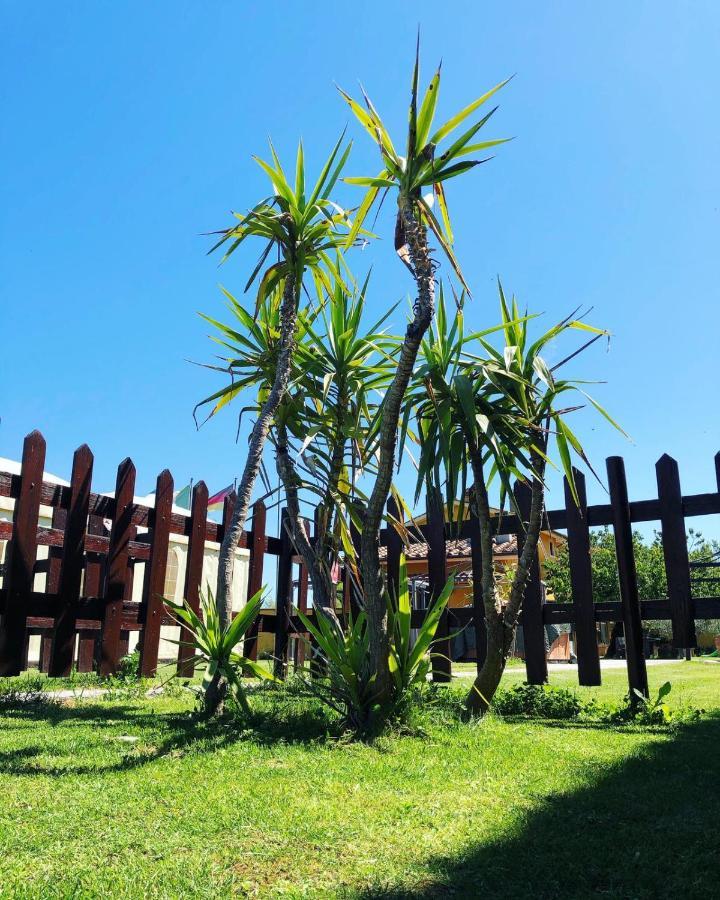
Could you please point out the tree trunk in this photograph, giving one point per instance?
(215, 696)
(288, 319)
(501, 623)
(499, 642)
(415, 237)
(316, 565)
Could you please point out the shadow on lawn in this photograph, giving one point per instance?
(646, 828)
(158, 734)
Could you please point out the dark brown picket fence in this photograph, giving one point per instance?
(85, 613)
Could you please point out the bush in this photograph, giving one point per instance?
(638, 710)
(537, 701)
(129, 666)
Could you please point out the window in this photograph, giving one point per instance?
(171, 574)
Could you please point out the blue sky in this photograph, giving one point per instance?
(128, 130)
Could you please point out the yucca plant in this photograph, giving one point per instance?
(303, 229)
(410, 660)
(325, 435)
(338, 669)
(339, 664)
(215, 647)
(440, 398)
(425, 165)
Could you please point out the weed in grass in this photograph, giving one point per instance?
(26, 690)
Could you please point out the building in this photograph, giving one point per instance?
(459, 562)
(176, 564)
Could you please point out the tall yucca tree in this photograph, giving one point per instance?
(500, 411)
(304, 231)
(425, 165)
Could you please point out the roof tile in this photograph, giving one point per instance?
(457, 549)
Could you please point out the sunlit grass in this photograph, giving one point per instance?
(132, 797)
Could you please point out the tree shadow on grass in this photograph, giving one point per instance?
(153, 735)
(645, 828)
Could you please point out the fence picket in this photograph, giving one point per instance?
(23, 553)
(302, 599)
(437, 577)
(119, 573)
(394, 548)
(255, 575)
(193, 574)
(283, 596)
(578, 536)
(675, 552)
(478, 601)
(155, 582)
(73, 560)
(622, 527)
(532, 605)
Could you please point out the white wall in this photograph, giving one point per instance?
(174, 582)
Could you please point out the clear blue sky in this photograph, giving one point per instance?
(128, 129)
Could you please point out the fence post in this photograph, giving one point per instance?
(193, 574)
(394, 549)
(20, 575)
(675, 552)
(93, 586)
(55, 556)
(155, 583)
(255, 575)
(302, 596)
(437, 576)
(532, 612)
(578, 536)
(121, 533)
(73, 560)
(632, 621)
(478, 599)
(283, 596)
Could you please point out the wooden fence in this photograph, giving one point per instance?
(85, 614)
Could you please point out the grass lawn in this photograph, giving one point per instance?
(129, 797)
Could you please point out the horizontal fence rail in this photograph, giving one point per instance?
(85, 613)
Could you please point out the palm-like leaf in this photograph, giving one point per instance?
(303, 230)
(505, 401)
(425, 163)
(409, 661)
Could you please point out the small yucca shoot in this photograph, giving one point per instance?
(215, 646)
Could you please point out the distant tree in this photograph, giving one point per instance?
(650, 565)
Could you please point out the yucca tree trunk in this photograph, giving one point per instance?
(501, 622)
(312, 556)
(288, 319)
(415, 238)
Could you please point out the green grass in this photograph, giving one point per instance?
(695, 683)
(132, 797)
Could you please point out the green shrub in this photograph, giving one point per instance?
(129, 666)
(538, 702)
(635, 709)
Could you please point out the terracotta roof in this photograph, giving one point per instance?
(459, 549)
